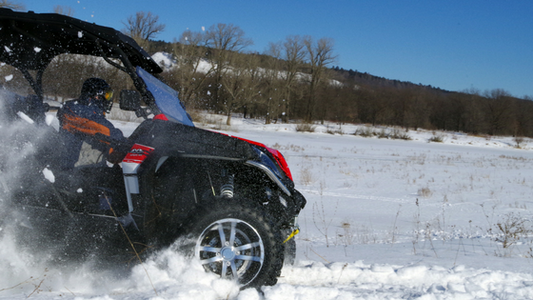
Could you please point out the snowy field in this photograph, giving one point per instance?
(385, 219)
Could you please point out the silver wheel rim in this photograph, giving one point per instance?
(232, 249)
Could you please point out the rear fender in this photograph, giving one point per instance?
(174, 186)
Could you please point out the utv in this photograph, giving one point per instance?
(231, 202)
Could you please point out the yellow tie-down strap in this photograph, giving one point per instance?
(294, 232)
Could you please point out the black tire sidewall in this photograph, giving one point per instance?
(259, 220)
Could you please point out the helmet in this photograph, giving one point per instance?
(97, 92)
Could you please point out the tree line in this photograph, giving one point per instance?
(292, 79)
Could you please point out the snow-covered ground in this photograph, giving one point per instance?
(385, 219)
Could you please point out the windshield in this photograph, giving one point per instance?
(166, 98)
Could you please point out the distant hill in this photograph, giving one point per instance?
(366, 79)
(340, 74)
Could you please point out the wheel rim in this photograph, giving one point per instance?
(232, 249)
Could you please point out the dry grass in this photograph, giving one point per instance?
(306, 176)
(425, 192)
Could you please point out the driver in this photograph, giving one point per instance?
(83, 120)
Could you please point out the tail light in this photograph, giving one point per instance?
(281, 161)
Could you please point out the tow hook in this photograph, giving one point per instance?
(294, 232)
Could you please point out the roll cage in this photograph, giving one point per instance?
(29, 42)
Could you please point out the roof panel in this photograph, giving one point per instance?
(31, 41)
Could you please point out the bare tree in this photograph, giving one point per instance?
(373, 106)
(142, 27)
(273, 94)
(227, 37)
(319, 56)
(190, 53)
(292, 52)
(419, 114)
(11, 4)
(474, 114)
(64, 10)
(80, 67)
(253, 80)
(226, 41)
(240, 83)
(498, 107)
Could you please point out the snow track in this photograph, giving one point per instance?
(333, 195)
(361, 281)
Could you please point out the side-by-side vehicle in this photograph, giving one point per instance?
(229, 202)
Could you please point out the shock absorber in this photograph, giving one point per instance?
(227, 189)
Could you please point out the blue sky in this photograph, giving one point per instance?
(454, 45)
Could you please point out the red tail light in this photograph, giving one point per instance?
(281, 161)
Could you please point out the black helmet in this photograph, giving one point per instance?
(97, 89)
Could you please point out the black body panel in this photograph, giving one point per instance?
(170, 138)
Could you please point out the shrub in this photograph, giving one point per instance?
(382, 134)
(518, 140)
(397, 134)
(436, 138)
(364, 132)
(305, 127)
(511, 230)
(334, 131)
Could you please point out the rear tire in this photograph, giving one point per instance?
(240, 242)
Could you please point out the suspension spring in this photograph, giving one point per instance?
(227, 189)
